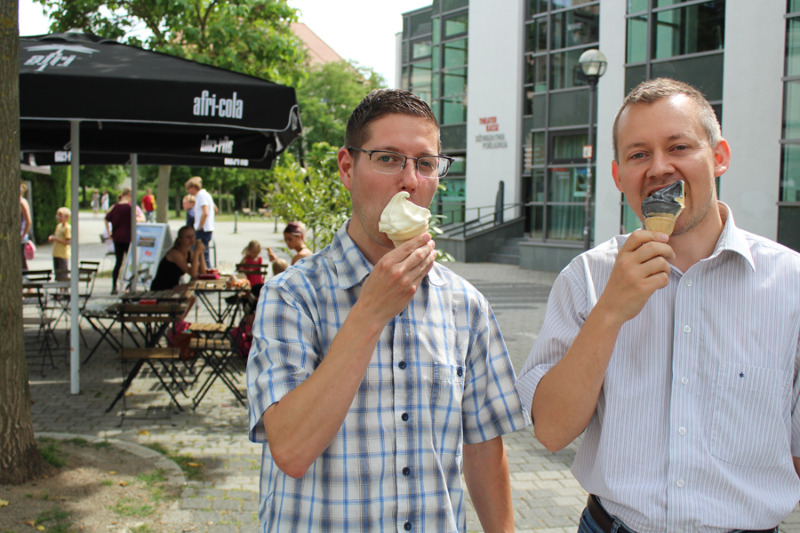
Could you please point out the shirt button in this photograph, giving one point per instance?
(404, 416)
(682, 431)
(684, 380)
(687, 329)
(406, 471)
(407, 526)
(688, 283)
(402, 365)
(460, 371)
(680, 483)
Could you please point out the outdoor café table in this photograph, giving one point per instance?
(152, 320)
(215, 295)
(102, 317)
(214, 344)
(37, 293)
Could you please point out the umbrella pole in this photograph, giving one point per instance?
(134, 241)
(74, 323)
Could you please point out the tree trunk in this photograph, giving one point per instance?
(162, 194)
(19, 458)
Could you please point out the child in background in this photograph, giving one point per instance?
(61, 239)
(278, 265)
(252, 256)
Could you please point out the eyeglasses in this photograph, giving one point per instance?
(428, 166)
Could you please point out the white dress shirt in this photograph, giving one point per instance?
(697, 420)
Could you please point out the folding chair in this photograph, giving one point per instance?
(145, 326)
(87, 274)
(216, 346)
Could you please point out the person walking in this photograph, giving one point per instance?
(204, 211)
(675, 356)
(25, 223)
(118, 225)
(149, 206)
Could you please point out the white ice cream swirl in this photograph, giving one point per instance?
(402, 220)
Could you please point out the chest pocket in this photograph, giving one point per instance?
(750, 423)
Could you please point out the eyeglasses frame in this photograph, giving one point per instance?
(405, 161)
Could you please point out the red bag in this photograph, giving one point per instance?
(180, 339)
(30, 250)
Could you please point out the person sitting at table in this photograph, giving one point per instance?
(251, 264)
(185, 257)
(295, 237)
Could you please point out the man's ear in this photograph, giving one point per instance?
(615, 174)
(722, 158)
(346, 164)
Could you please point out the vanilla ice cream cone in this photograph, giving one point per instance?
(402, 220)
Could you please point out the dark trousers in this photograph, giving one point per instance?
(120, 249)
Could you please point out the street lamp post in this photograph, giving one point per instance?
(593, 64)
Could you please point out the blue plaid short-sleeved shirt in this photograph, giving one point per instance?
(440, 377)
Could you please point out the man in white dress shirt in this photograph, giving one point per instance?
(675, 356)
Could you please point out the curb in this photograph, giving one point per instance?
(173, 472)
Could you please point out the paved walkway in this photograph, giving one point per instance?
(546, 496)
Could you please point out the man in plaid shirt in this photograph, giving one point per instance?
(376, 373)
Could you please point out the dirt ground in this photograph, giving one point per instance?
(100, 489)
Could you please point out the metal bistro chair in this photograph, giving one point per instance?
(87, 274)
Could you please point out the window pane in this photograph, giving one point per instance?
(565, 222)
(791, 119)
(686, 30)
(635, 6)
(637, 39)
(455, 53)
(539, 148)
(704, 72)
(536, 217)
(421, 74)
(449, 5)
(420, 23)
(568, 147)
(569, 108)
(451, 200)
(575, 27)
(790, 182)
(794, 6)
(564, 70)
(454, 138)
(456, 25)
(793, 47)
(453, 111)
(420, 49)
(537, 6)
(455, 82)
(788, 222)
(536, 73)
(630, 222)
(567, 184)
(537, 35)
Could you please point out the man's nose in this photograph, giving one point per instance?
(409, 175)
(660, 164)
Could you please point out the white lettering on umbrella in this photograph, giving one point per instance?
(216, 146)
(207, 105)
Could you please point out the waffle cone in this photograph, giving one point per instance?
(402, 236)
(661, 222)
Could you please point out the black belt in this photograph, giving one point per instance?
(606, 521)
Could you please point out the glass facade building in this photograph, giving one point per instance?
(643, 39)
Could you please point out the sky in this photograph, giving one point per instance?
(358, 30)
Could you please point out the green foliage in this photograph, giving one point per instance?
(47, 193)
(250, 36)
(328, 96)
(52, 455)
(313, 195)
(55, 520)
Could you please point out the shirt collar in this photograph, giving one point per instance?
(352, 267)
(732, 238)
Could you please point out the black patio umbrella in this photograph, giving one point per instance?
(80, 92)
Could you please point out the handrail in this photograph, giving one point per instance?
(482, 220)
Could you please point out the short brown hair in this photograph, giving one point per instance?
(382, 102)
(651, 91)
(194, 181)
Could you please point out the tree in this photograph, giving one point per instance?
(251, 37)
(19, 457)
(328, 96)
(313, 195)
